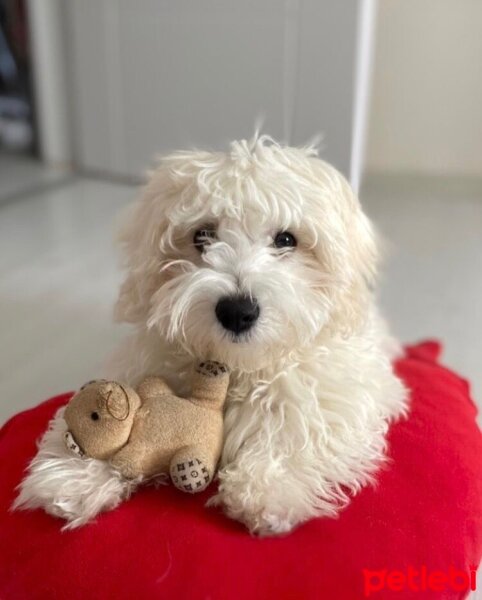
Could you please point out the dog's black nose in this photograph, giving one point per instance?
(237, 313)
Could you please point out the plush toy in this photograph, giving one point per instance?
(150, 431)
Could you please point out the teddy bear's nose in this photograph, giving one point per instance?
(237, 313)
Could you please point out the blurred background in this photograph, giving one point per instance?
(91, 90)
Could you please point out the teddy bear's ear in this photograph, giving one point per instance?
(117, 403)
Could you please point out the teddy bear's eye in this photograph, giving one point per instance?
(203, 236)
(284, 239)
(94, 416)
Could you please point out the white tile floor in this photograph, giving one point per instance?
(58, 280)
(58, 275)
(19, 176)
(432, 284)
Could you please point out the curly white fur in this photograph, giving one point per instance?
(313, 390)
(67, 486)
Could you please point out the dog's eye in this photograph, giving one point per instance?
(284, 239)
(94, 416)
(203, 236)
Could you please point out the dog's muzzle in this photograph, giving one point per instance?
(72, 445)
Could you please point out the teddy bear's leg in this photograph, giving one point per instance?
(191, 469)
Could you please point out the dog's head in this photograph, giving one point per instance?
(247, 255)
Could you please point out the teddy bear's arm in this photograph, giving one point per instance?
(130, 460)
(210, 384)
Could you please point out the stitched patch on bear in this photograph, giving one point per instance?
(72, 444)
(191, 475)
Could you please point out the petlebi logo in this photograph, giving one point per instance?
(418, 579)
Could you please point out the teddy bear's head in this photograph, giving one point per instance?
(99, 418)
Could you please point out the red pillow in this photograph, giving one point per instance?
(416, 534)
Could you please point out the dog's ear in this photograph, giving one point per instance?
(139, 234)
(348, 248)
(362, 265)
(364, 246)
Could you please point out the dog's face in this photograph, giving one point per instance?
(248, 255)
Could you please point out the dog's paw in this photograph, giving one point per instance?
(272, 524)
(267, 523)
(260, 518)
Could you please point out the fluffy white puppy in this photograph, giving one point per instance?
(260, 257)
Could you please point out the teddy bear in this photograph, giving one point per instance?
(149, 431)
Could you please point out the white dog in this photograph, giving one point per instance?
(262, 258)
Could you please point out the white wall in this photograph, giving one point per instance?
(426, 109)
(155, 75)
(52, 111)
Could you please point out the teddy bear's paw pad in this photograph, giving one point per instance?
(212, 368)
(190, 475)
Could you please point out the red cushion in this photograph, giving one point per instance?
(425, 514)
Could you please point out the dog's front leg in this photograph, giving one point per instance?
(257, 497)
(271, 477)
